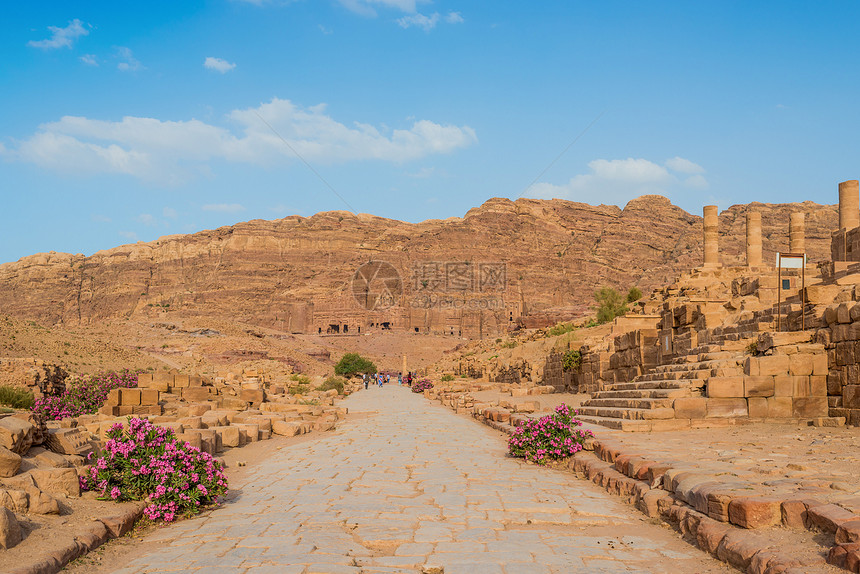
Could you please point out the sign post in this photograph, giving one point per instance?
(791, 261)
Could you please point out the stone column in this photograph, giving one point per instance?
(712, 248)
(753, 239)
(797, 233)
(849, 204)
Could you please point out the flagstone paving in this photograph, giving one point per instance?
(411, 487)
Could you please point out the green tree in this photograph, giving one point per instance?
(634, 294)
(610, 304)
(354, 364)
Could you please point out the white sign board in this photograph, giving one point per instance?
(790, 261)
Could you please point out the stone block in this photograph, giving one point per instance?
(793, 514)
(255, 396)
(843, 312)
(114, 398)
(817, 386)
(760, 386)
(690, 408)
(130, 397)
(149, 397)
(63, 481)
(809, 407)
(828, 517)
(851, 396)
(10, 462)
(780, 407)
(195, 381)
(845, 353)
(10, 530)
(162, 381)
(751, 366)
(230, 435)
(819, 364)
(252, 431)
(773, 365)
(144, 380)
(68, 441)
(783, 386)
(757, 407)
(755, 512)
(192, 438)
(16, 434)
(800, 364)
(196, 394)
(40, 502)
(726, 387)
(283, 428)
(848, 532)
(181, 381)
(726, 407)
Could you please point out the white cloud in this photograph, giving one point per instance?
(146, 219)
(61, 37)
(218, 65)
(169, 212)
(368, 7)
(682, 165)
(619, 180)
(223, 207)
(454, 18)
(420, 21)
(171, 152)
(130, 235)
(129, 63)
(89, 60)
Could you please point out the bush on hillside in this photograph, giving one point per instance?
(610, 304)
(353, 364)
(332, 383)
(16, 397)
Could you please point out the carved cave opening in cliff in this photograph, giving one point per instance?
(333, 329)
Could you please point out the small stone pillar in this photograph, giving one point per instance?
(797, 233)
(712, 248)
(753, 239)
(849, 204)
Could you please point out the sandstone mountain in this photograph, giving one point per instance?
(295, 274)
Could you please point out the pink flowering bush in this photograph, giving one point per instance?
(551, 437)
(145, 462)
(84, 394)
(421, 386)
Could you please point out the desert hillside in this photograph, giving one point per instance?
(294, 274)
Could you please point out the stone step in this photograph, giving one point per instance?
(617, 424)
(648, 393)
(639, 384)
(630, 403)
(628, 413)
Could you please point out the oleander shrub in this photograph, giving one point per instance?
(84, 394)
(552, 437)
(16, 397)
(421, 385)
(145, 462)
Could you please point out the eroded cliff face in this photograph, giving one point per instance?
(556, 254)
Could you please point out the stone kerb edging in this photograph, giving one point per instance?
(99, 531)
(718, 514)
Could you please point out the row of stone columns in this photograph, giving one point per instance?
(796, 236)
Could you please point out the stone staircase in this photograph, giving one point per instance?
(648, 402)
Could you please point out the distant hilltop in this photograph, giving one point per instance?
(527, 261)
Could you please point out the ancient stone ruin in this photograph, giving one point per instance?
(724, 345)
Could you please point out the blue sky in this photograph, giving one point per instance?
(128, 121)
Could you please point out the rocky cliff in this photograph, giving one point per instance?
(556, 254)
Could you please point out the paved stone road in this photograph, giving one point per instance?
(411, 487)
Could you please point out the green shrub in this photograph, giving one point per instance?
(300, 379)
(332, 383)
(571, 360)
(16, 397)
(299, 389)
(447, 377)
(610, 304)
(353, 364)
(634, 294)
(508, 345)
(560, 329)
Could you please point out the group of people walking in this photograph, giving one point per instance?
(383, 378)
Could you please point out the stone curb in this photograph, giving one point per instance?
(717, 514)
(85, 540)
